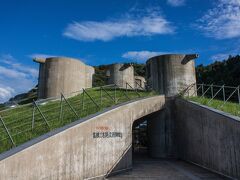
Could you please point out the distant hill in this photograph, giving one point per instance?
(27, 97)
(23, 98)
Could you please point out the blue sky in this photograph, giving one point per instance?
(107, 31)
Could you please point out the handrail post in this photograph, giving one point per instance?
(91, 98)
(211, 90)
(205, 91)
(186, 91)
(70, 105)
(133, 89)
(126, 95)
(33, 116)
(44, 118)
(8, 133)
(112, 98)
(223, 94)
(101, 96)
(139, 85)
(196, 89)
(115, 94)
(238, 95)
(61, 109)
(230, 96)
(123, 92)
(83, 100)
(215, 94)
(126, 88)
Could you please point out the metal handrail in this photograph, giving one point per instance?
(26, 120)
(227, 92)
(127, 84)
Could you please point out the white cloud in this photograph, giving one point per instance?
(222, 21)
(129, 26)
(25, 69)
(141, 55)
(6, 93)
(15, 68)
(219, 57)
(15, 77)
(176, 2)
(222, 56)
(11, 73)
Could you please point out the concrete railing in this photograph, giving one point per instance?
(25, 122)
(85, 149)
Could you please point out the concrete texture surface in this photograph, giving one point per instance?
(145, 168)
(208, 137)
(140, 82)
(170, 74)
(89, 71)
(89, 148)
(161, 132)
(102, 144)
(62, 75)
(121, 74)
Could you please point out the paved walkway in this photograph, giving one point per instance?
(162, 169)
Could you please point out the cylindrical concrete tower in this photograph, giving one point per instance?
(171, 74)
(121, 74)
(89, 71)
(41, 77)
(140, 82)
(62, 75)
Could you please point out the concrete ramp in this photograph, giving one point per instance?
(86, 149)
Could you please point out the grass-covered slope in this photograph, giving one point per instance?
(229, 107)
(26, 122)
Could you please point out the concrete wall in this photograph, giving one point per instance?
(208, 137)
(128, 76)
(170, 74)
(89, 71)
(161, 133)
(75, 152)
(139, 82)
(41, 80)
(115, 75)
(62, 75)
(120, 75)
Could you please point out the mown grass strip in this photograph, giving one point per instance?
(22, 128)
(229, 107)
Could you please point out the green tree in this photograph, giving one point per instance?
(220, 72)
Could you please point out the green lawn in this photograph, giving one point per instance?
(19, 121)
(229, 107)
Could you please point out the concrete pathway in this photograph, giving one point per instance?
(162, 169)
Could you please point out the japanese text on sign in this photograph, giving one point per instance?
(107, 134)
